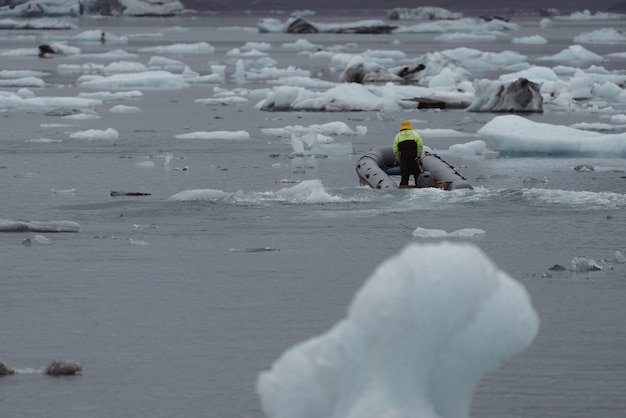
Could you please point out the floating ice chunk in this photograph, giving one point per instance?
(575, 54)
(416, 340)
(587, 15)
(43, 140)
(601, 36)
(165, 64)
(181, 48)
(546, 23)
(440, 233)
(621, 118)
(583, 264)
(200, 194)
(124, 67)
(300, 45)
(7, 225)
(96, 134)
(124, 109)
(608, 90)
(137, 242)
(477, 147)
(429, 233)
(511, 133)
(445, 78)
(145, 226)
(227, 135)
(146, 79)
(40, 239)
(530, 40)
(32, 82)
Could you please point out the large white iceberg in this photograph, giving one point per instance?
(516, 135)
(417, 338)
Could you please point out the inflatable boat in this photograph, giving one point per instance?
(378, 169)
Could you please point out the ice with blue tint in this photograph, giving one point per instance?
(417, 338)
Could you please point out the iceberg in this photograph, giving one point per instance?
(417, 338)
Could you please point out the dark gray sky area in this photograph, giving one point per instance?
(453, 5)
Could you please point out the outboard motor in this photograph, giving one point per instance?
(425, 179)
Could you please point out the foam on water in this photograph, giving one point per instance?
(314, 192)
(306, 192)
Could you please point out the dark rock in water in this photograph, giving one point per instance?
(521, 95)
(62, 112)
(301, 25)
(557, 267)
(370, 30)
(253, 250)
(584, 167)
(361, 72)
(438, 103)
(46, 49)
(62, 368)
(5, 370)
(494, 17)
(407, 71)
(116, 193)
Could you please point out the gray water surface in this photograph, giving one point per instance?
(173, 307)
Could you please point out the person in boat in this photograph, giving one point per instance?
(407, 148)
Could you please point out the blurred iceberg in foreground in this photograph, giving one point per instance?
(418, 337)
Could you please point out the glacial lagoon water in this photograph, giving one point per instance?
(174, 306)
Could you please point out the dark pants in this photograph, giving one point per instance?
(408, 165)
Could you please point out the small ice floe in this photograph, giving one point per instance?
(530, 182)
(583, 264)
(253, 250)
(7, 225)
(43, 140)
(37, 239)
(217, 135)
(530, 40)
(477, 147)
(124, 109)
(137, 242)
(440, 233)
(93, 134)
(62, 368)
(145, 226)
(317, 144)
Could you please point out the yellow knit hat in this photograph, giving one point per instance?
(405, 125)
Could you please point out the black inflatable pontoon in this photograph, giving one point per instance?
(376, 167)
